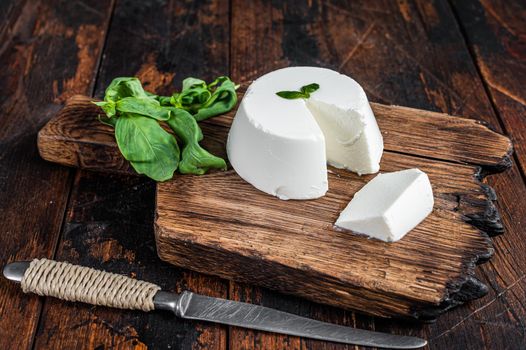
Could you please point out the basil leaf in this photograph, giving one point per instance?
(223, 99)
(107, 107)
(191, 99)
(124, 87)
(291, 95)
(194, 158)
(106, 120)
(150, 149)
(308, 89)
(194, 94)
(218, 81)
(205, 101)
(190, 82)
(163, 100)
(147, 107)
(304, 92)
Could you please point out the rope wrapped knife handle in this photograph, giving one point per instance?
(77, 283)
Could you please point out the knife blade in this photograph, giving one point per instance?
(199, 307)
(193, 306)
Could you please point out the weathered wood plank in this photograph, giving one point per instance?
(410, 53)
(48, 50)
(109, 223)
(295, 249)
(496, 34)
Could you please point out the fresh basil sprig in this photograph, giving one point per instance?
(304, 92)
(203, 100)
(138, 115)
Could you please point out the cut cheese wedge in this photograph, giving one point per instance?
(389, 206)
(282, 146)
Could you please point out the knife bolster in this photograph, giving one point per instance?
(168, 301)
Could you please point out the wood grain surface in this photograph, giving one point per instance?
(496, 37)
(48, 51)
(109, 220)
(408, 53)
(461, 57)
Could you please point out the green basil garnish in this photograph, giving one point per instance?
(304, 92)
(137, 116)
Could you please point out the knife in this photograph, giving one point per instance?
(77, 283)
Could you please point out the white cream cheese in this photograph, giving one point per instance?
(389, 206)
(282, 146)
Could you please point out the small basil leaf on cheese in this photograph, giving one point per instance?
(291, 95)
(304, 92)
(308, 89)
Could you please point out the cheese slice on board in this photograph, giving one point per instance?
(282, 146)
(389, 206)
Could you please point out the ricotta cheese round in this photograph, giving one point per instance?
(282, 146)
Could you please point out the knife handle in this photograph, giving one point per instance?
(78, 283)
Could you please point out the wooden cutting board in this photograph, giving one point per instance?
(219, 224)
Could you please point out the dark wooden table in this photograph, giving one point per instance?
(463, 57)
